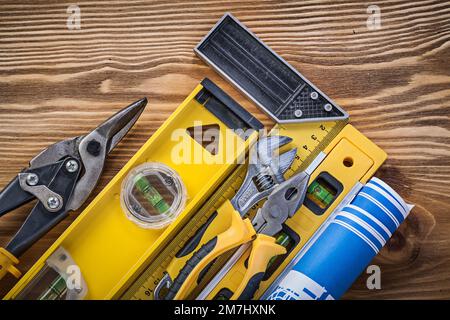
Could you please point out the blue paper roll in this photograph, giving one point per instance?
(346, 246)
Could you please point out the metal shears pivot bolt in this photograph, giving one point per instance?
(53, 202)
(62, 177)
(94, 148)
(71, 166)
(32, 179)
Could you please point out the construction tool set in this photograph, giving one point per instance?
(212, 206)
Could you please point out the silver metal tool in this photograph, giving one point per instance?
(282, 204)
(62, 177)
(263, 76)
(265, 171)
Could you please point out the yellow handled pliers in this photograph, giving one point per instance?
(266, 168)
(281, 204)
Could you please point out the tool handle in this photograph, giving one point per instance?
(41, 220)
(7, 264)
(12, 196)
(240, 232)
(218, 222)
(193, 242)
(37, 224)
(264, 248)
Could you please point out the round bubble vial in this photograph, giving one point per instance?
(153, 195)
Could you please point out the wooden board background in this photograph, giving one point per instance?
(56, 83)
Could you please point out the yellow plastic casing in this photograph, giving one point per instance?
(109, 248)
(349, 146)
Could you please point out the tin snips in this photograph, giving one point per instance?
(61, 178)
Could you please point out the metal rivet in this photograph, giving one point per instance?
(72, 166)
(53, 202)
(94, 148)
(298, 113)
(32, 179)
(314, 95)
(328, 107)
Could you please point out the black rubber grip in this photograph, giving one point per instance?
(40, 220)
(252, 287)
(195, 240)
(189, 266)
(13, 196)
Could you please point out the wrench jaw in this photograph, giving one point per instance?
(283, 163)
(263, 153)
(265, 171)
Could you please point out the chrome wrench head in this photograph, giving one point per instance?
(265, 171)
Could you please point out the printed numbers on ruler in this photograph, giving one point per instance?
(310, 139)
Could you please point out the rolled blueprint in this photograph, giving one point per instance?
(346, 246)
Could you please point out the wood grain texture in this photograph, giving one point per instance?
(56, 83)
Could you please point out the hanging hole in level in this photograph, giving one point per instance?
(348, 162)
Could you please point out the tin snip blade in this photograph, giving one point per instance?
(61, 178)
(264, 173)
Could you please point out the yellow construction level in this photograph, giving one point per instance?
(111, 250)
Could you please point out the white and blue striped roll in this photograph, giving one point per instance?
(346, 246)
